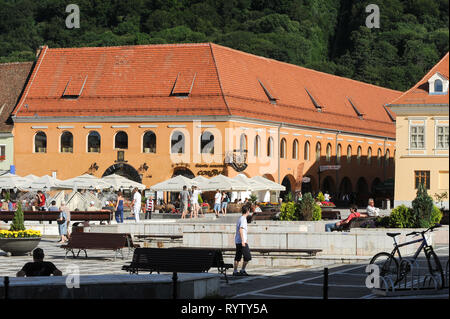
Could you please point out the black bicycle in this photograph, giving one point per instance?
(389, 265)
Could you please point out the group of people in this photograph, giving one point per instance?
(189, 199)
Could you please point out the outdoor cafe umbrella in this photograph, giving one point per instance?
(12, 181)
(45, 182)
(253, 185)
(85, 181)
(119, 182)
(201, 181)
(175, 184)
(224, 183)
(271, 186)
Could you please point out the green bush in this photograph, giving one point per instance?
(422, 206)
(383, 221)
(17, 222)
(401, 217)
(436, 215)
(289, 211)
(320, 197)
(307, 207)
(317, 213)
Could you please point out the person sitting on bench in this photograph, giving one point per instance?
(353, 214)
(39, 267)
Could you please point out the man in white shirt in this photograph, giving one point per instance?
(240, 240)
(217, 202)
(372, 211)
(136, 204)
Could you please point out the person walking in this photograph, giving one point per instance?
(194, 201)
(62, 225)
(64, 208)
(225, 200)
(119, 208)
(184, 200)
(217, 203)
(136, 204)
(149, 207)
(240, 239)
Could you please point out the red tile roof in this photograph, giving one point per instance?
(13, 77)
(139, 80)
(418, 94)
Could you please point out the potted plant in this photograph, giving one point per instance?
(17, 240)
(205, 207)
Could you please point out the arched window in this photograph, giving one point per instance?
(283, 148)
(328, 152)
(177, 143)
(318, 151)
(66, 142)
(369, 156)
(121, 140)
(306, 151)
(149, 142)
(349, 154)
(40, 142)
(257, 146)
(295, 149)
(270, 147)
(379, 157)
(358, 155)
(93, 142)
(338, 154)
(207, 143)
(243, 142)
(438, 87)
(387, 157)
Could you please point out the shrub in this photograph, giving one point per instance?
(401, 217)
(383, 221)
(17, 222)
(320, 197)
(317, 213)
(436, 215)
(307, 207)
(289, 211)
(422, 206)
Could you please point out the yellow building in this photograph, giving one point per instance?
(422, 136)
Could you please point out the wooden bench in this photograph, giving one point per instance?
(359, 222)
(99, 241)
(331, 214)
(172, 237)
(265, 215)
(171, 260)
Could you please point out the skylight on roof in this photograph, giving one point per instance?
(313, 100)
(273, 99)
(74, 87)
(183, 84)
(360, 115)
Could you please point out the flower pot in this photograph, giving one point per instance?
(205, 209)
(19, 246)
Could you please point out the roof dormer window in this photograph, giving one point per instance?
(438, 84)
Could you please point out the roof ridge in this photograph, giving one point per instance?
(218, 77)
(200, 44)
(421, 80)
(305, 68)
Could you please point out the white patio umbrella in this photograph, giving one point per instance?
(175, 184)
(119, 182)
(271, 186)
(45, 182)
(201, 182)
(253, 185)
(32, 177)
(12, 181)
(85, 181)
(224, 183)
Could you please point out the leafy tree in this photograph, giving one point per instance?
(422, 207)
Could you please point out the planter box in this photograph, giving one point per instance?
(19, 246)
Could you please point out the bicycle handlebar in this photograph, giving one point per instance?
(423, 232)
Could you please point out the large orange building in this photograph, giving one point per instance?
(149, 112)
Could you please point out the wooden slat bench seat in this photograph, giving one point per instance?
(331, 214)
(99, 241)
(171, 260)
(159, 236)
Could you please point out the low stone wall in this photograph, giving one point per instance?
(190, 286)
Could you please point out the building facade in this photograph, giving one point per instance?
(13, 77)
(422, 136)
(151, 112)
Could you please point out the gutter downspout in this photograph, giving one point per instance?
(278, 156)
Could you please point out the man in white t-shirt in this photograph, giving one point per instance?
(136, 204)
(372, 211)
(240, 240)
(217, 202)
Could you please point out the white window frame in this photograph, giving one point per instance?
(437, 134)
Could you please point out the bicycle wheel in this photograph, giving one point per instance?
(387, 264)
(434, 265)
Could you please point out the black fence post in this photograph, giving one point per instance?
(325, 283)
(6, 282)
(174, 279)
